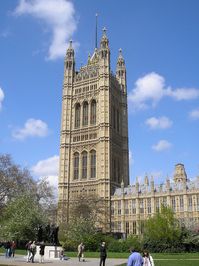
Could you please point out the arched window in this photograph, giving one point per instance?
(76, 165)
(85, 114)
(84, 164)
(77, 115)
(93, 113)
(93, 163)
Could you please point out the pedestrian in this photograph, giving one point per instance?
(28, 250)
(80, 251)
(33, 250)
(103, 254)
(148, 260)
(13, 247)
(135, 259)
(41, 252)
(7, 247)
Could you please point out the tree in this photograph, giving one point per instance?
(21, 217)
(162, 231)
(89, 207)
(13, 180)
(46, 198)
(83, 226)
(24, 202)
(16, 181)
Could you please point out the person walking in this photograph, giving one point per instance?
(103, 254)
(147, 258)
(80, 251)
(135, 259)
(41, 252)
(28, 250)
(33, 250)
(13, 247)
(7, 247)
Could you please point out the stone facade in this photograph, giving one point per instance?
(132, 205)
(94, 157)
(94, 130)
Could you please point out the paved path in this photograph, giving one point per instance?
(21, 261)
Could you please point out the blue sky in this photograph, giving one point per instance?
(159, 40)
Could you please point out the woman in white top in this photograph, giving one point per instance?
(147, 258)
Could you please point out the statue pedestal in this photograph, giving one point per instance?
(50, 252)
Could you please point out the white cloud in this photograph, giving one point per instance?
(32, 128)
(150, 89)
(162, 122)
(1, 97)
(48, 168)
(194, 114)
(183, 93)
(58, 15)
(162, 145)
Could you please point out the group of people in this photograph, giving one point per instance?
(10, 247)
(102, 249)
(136, 259)
(32, 249)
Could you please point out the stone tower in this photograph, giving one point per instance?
(94, 155)
(179, 173)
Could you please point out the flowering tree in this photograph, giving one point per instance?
(21, 218)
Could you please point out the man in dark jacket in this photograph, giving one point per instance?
(103, 254)
(41, 252)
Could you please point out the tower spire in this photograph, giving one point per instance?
(96, 16)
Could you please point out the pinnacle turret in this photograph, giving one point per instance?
(70, 63)
(104, 41)
(121, 71)
(70, 51)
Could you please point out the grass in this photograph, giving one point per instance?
(173, 263)
(175, 259)
(161, 259)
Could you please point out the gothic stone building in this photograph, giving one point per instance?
(94, 149)
(94, 131)
(132, 205)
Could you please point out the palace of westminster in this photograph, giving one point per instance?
(94, 153)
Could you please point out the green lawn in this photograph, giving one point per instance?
(173, 263)
(161, 259)
(175, 259)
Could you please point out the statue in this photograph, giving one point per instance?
(54, 234)
(39, 233)
(48, 234)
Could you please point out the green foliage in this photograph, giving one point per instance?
(20, 218)
(81, 230)
(163, 226)
(163, 232)
(123, 245)
(191, 240)
(14, 180)
(24, 203)
(134, 241)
